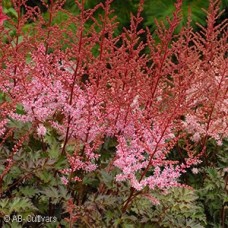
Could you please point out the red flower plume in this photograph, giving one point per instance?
(3, 17)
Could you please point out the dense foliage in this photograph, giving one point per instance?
(107, 128)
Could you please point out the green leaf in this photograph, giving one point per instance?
(107, 178)
(11, 12)
(21, 204)
(54, 150)
(28, 191)
(20, 109)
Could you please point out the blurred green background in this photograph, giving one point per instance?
(158, 9)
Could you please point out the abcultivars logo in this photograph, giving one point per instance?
(30, 219)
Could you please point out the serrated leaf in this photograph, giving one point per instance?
(28, 191)
(106, 178)
(45, 176)
(21, 204)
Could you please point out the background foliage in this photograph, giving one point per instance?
(153, 9)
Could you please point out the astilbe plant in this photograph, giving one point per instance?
(88, 85)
